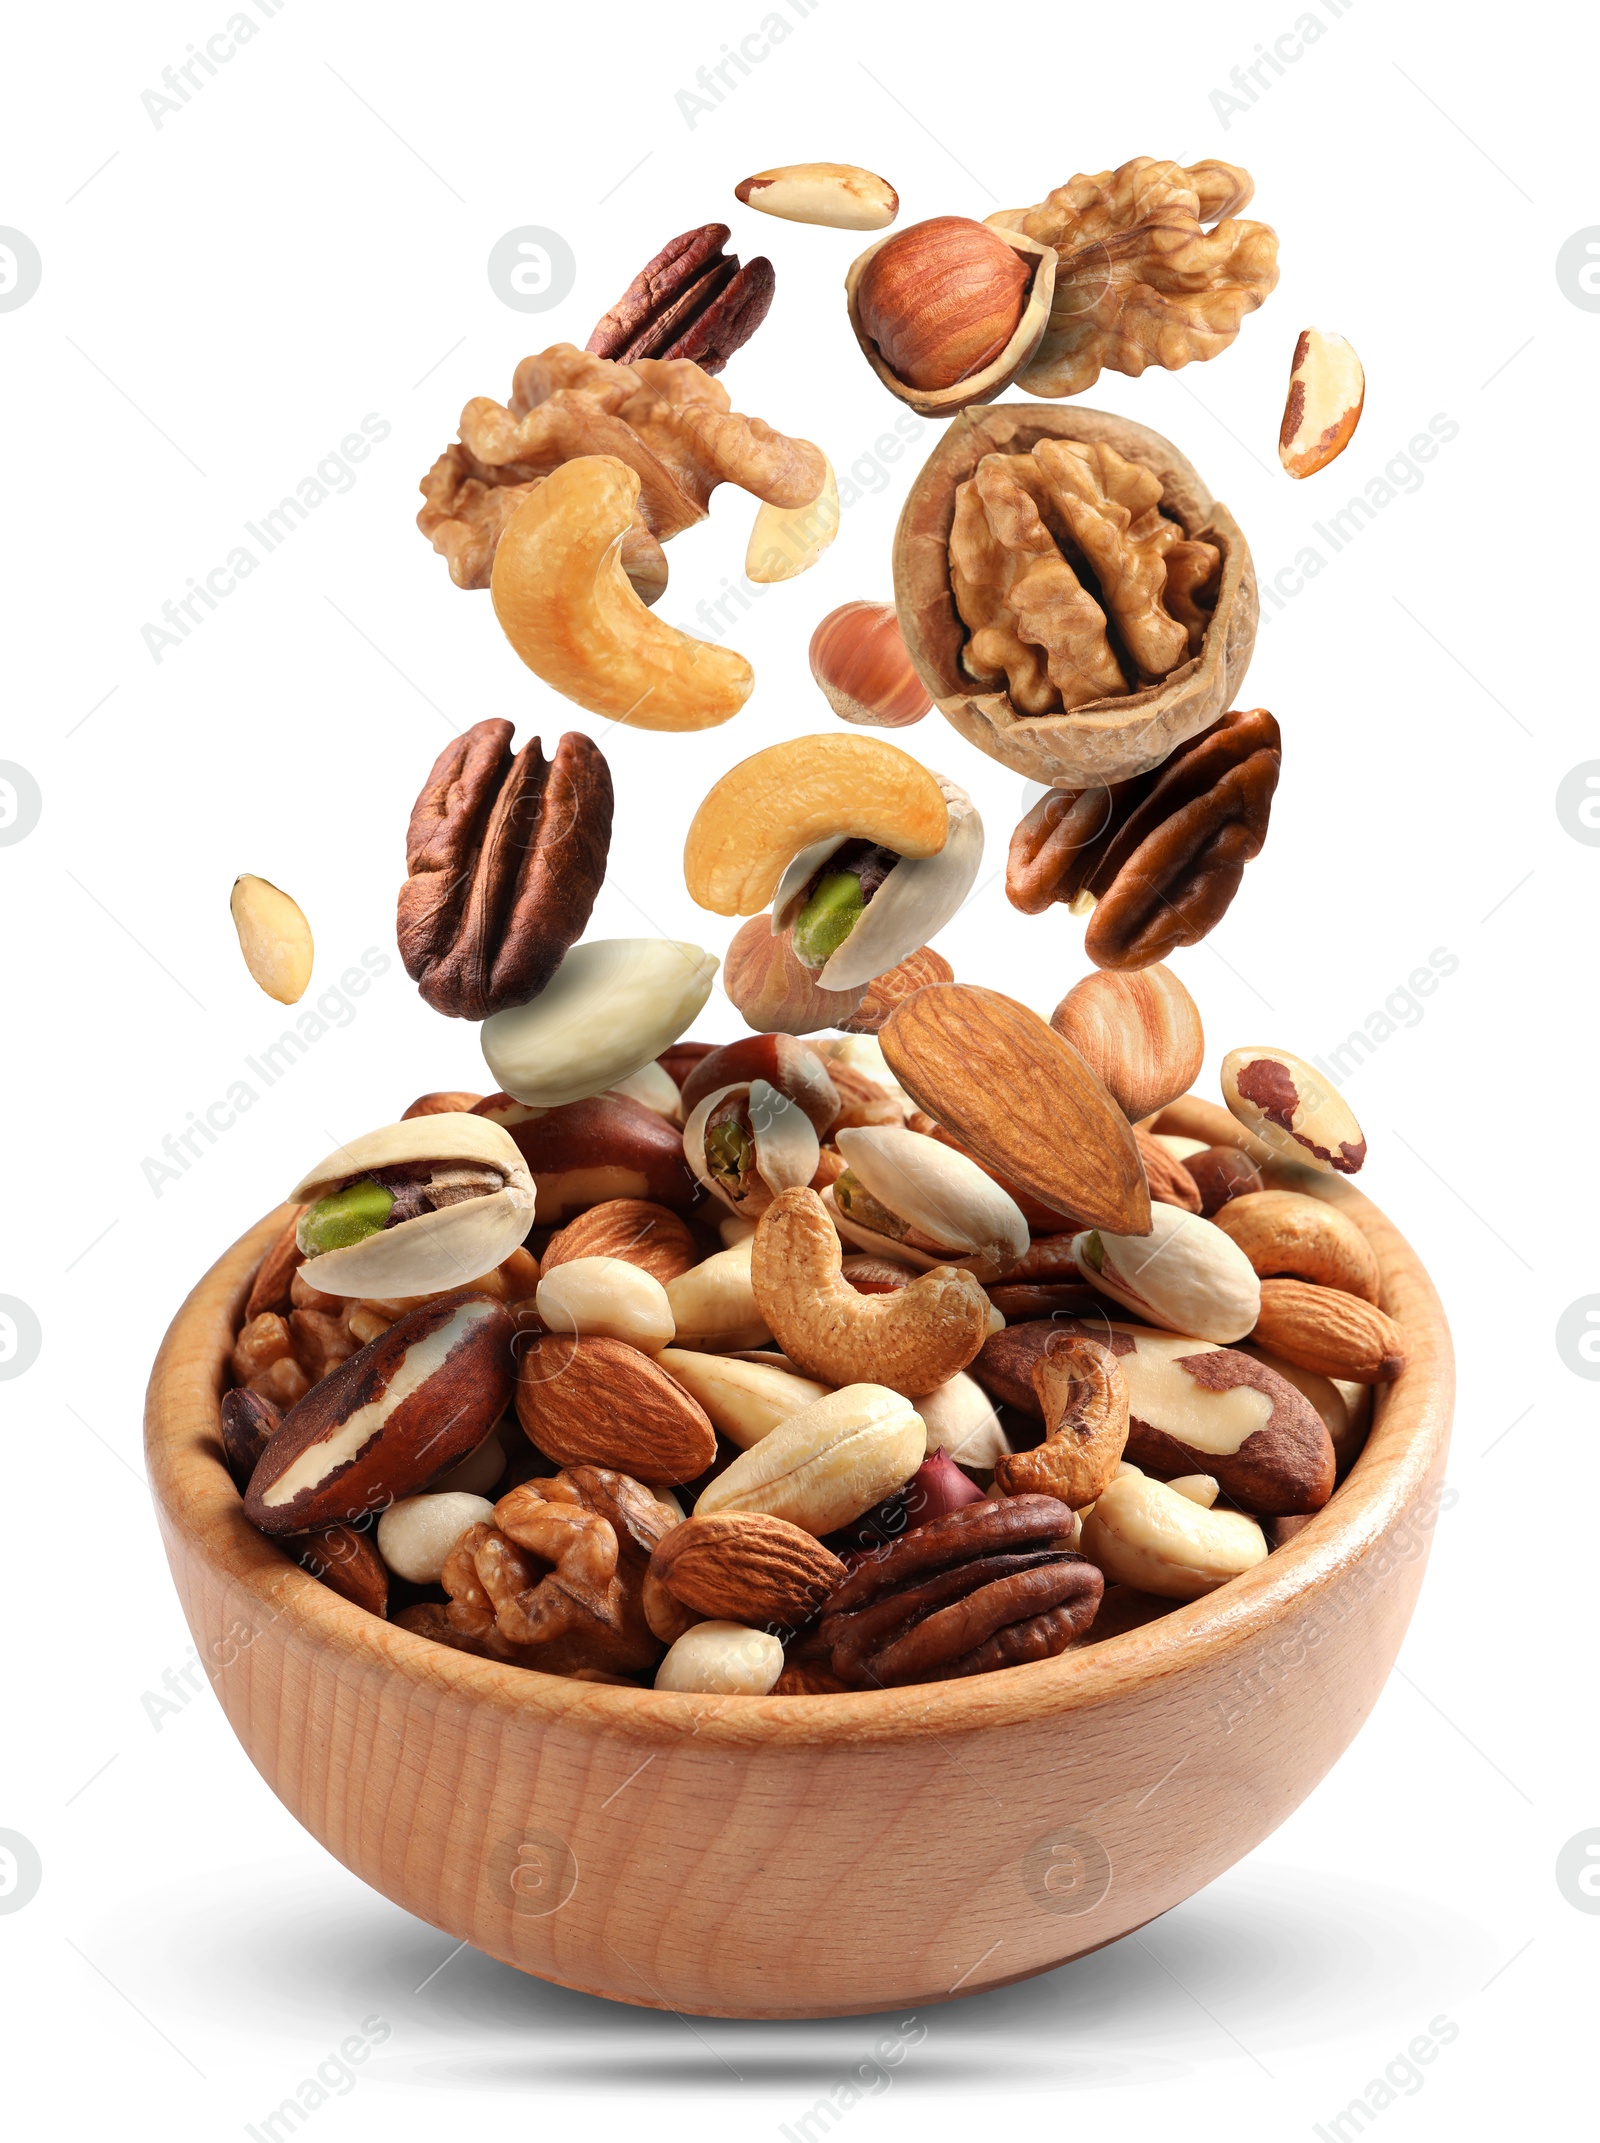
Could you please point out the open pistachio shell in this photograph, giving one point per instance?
(919, 896)
(1185, 1275)
(435, 1251)
(915, 901)
(787, 1149)
(612, 1007)
(939, 1192)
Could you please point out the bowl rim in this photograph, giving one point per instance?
(198, 1504)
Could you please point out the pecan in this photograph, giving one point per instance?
(692, 300)
(1162, 855)
(985, 1586)
(504, 857)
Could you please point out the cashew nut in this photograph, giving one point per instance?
(763, 811)
(1143, 1533)
(1085, 1399)
(912, 1340)
(567, 607)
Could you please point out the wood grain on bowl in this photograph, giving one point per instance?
(814, 1855)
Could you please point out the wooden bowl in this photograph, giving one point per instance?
(803, 1856)
(1108, 739)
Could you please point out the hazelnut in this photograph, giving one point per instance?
(767, 985)
(941, 300)
(860, 662)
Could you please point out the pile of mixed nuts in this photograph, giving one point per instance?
(956, 1338)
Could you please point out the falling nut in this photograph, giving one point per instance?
(1327, 388)
(826, 1464)
(274, 937)
(1149, 1535)
(612, 1007)
(773, 991)
(764, 811)
(863, 670)
(568, 609)
(1139, 1030)
(853, 910)
(1292, 1109)
(841, 196)
(787, 541)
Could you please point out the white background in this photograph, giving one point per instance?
(224, 297)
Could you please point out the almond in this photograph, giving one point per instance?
(1335, 1334)
(1140, 1032)
(600, 1402)
(633, 1229)
(743, 1566)
(1286, 1235)
(1021, 1099)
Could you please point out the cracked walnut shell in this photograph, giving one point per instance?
(664, 418)
(1139, 279)
(1073, 598)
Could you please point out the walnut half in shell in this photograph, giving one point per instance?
(1077, 623)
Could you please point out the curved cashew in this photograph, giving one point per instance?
(568, 609)
(1085, 1399)
(775, 803)
(912, 1341)
(1287, 1235)
(1145, 1534)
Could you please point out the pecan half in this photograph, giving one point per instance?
(985, 1586)
(692, 300)
(1162, 855)
(504, 857)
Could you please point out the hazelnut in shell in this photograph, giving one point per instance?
(948, 311)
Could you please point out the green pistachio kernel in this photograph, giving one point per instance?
(344, 1217)
(730, 1152)
(854, 1200)
(1094, 1251)
(828, 917)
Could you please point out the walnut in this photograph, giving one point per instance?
(557, 1580)
(1139, 279)
(1055, 551)
(664, 418)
